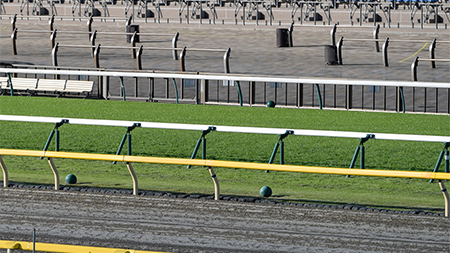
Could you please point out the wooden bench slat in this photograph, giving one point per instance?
(51, 85)
(24, 83)
(79, 86)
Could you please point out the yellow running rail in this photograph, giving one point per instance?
(218, 163)
(62, 248)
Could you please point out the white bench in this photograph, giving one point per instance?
(55, 86)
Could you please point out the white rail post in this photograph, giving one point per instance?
(133, 45)
(55, 172)
(182, 60)
(52, 39)
(14, 41)
(139, 57)
(333, 35)
(446, 197)
(226, 61)
(92, 38)
(414, 68)
(51, 21)
(339, 50)
(5, 172)
(216, 183)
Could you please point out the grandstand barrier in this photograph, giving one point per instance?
(229, 164)
(384, 95)
(62, 248)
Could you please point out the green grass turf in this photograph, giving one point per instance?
(316, 151)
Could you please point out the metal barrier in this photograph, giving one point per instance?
(415, 64)
(237, 165)
(62, 248)
(332, 93)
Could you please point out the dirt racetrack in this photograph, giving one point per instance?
(176, 224)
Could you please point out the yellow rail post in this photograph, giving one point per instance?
(446, 197)
(55, 172)
(216, 183)
(5, 172)
(134, 177)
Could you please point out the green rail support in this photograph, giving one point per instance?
(280, 144)
(441, 156)
(238, 85)
(201, 140)
(55, 131)
(361, 149)
(126, 136)
(402, 98)
(176, 89)
(319, 96)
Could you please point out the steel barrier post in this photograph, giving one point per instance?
(362, 149)
(182, 60)
(125, 136)
(174, 45)
(319, 96)
(92, 38)
(89, 26)
(13, 23)
(52, 133)
(441, 155)
(51, 21)
(139, 57)
(133, 45)
(385, 52)
(52, 39)
(333, 35)
(375, 37)
(290, 31)
(414, 66)
(432, 56)
(55, 172)
(238, 86)
(226, 61)
(97, 56)
(339, 50)
(280, 143)
(122, 88)
(14, 41)
(10, 84)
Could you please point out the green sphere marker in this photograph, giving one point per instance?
(265, 191)
(71, 179)
(271, 103)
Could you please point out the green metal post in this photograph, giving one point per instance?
(176, 89)
(362, 156)
(352, 164)
(57, 140)
(129, 144)
(121, 145)
(403, 99)
(197, 146)
(49, 140)
(319, 96)
(275, 149)
(200, 140)
(122, 86)
(441, 155)
(204, 148)
(10, 84)
(282, 152)
(238, 85)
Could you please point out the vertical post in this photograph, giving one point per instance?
(238, 85)
(349, 96)
(362, 158)
(447, 162)
(92, 38)
(400, 100)
(89, 25)
(290, 31)
(139, 58)
(182, 60)
(55, 55)
(432, 56)
(11, 88)
(5, 172)
(129, 143)
(339, 50)
(56, 139)
(52, 39)
(414, 66)
(446, 197)
(375, 37)
(385, 52)
(14, 41)
(174, 45)
(204, 91)
(319, 96)
(97, 56)
(282, 152)
(216, 183)
(134, 178)
(333, 35)
(122, 88)
(13, 23)
(133, 45)
(55, 172)
(51, 21)
(226, 61)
